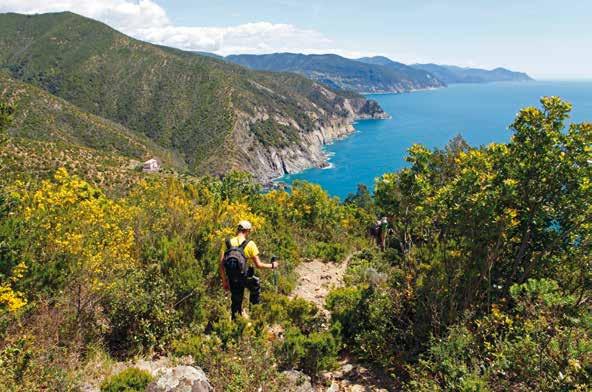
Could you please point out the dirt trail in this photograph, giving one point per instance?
(315, 280)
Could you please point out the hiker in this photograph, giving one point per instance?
(383, 232)
(235, 270)
(374, 231)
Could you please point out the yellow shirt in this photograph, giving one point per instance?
(251, 249)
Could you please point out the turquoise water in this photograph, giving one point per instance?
(481, 113)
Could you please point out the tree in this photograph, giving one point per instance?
(362, 199)
(473, 222)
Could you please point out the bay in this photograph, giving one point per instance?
(481, 113)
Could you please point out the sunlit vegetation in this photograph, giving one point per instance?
(136, 274)
(485, 283)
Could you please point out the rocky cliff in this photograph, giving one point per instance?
(268, 162)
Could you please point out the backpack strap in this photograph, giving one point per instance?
(227, 242)
(244, 244)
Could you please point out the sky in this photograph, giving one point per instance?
(545, 38)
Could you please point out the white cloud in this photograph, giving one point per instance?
(146, 20)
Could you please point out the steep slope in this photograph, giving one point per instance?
(44, 117)
(454, 74)
(216, 115)
(342, 73)
(25, 159)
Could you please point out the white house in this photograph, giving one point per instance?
(151, 166)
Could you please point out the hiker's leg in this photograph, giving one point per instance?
(237, 290)
(254, 286)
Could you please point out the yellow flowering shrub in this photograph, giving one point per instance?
(12, 300)
(71, 220)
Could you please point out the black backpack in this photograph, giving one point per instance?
(235, 261)
(374, 230)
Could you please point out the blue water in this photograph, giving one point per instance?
(481, 113)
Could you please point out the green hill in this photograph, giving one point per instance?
(216, 115)
(342, 73)
(44, 117)
(453, 74)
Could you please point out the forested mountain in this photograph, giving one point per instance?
(342, 73)
(381, 60)
(215, 115)
(453, 74)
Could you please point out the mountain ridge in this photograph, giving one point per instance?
(454, 74)
(378, 74)
(341, 73)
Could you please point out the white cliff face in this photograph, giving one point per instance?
(268, 162)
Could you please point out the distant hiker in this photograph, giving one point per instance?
(383, 233)
(374, 231)
(235, 271)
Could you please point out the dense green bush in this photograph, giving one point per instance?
(374, 324)
(129, 380)
(297, 312)
(541, 343)
(311, 353)
(200, 346)
(326, 251)
(141, 313)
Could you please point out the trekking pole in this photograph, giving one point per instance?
(191, 293)
(276, 275)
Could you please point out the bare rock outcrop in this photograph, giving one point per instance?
(181, 379)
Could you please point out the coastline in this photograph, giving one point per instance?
(325, 163)
(433, 119)
(402, 92)
(460, 84)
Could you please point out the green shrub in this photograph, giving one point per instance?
(343, 304)
(291, 351)
(200, 347)
(248, 365)
(313, 353)
(369, 267)
(140, 309)
(542, 343)
(298, 312)
(321, 349)
(329, 251)
(374, 323)
(129, 380)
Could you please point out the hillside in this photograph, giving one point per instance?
(47, 118)
(342, 73)
(216, 116)
(453, 74)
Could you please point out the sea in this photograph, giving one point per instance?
(480, 113)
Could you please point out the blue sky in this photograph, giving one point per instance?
(545, 38)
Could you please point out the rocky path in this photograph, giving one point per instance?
(316, 278)
(315, 281)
